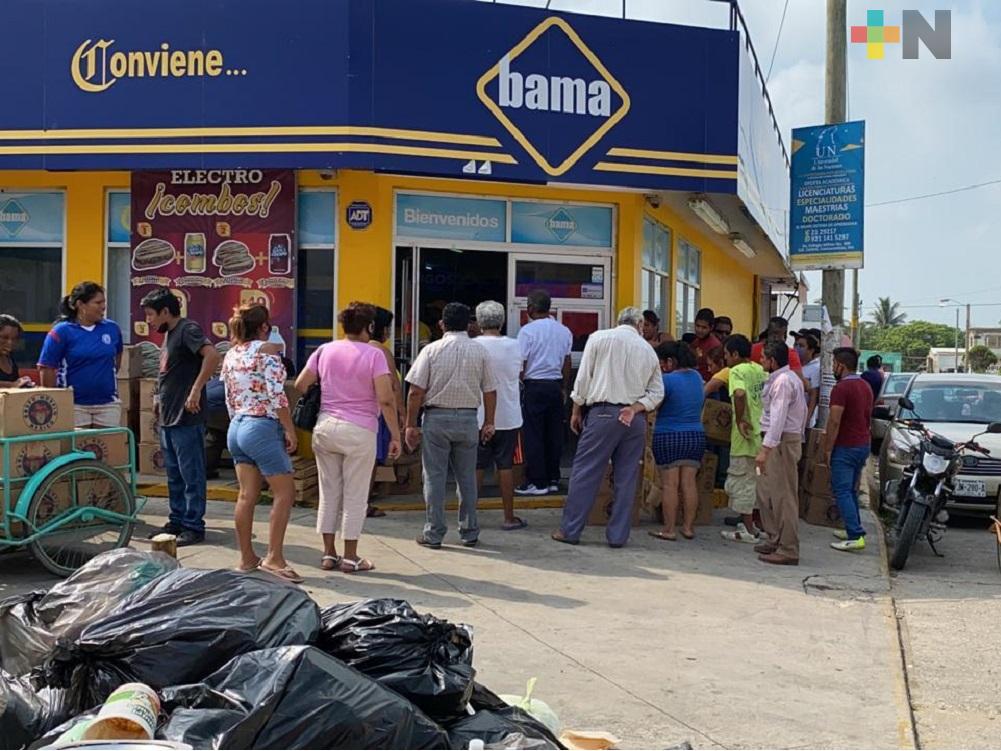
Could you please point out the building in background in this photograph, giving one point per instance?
(443, 150)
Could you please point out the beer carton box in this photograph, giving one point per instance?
(147, 393)
(110, 448)
(717, 420)
(35, 411)
(149, 427)
(601, 510)
(27, 458)
(132, 363)
(128, 393)
(817, 479)
(151, 459)
(818, 510)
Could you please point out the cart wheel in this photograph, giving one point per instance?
(82, 484)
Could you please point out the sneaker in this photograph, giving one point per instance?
(531, 490)
(740, 534)
(189, 537)
(554, 487)
(840, 534)
(167, 529)
(849, 545)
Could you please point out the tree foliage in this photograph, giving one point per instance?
(886, 313)
(980, 358)
(912, 340)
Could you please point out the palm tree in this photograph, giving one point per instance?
(887, 313)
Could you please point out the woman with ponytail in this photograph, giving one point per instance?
(90, 346)
(261, 436)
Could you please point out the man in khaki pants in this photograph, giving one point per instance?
(782, 424)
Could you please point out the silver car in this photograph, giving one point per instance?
(894, 386)
(956, 406)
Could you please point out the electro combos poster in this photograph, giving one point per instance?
(218, 239)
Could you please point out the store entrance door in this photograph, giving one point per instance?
(429, 278)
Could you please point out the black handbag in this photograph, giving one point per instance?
(307, 409)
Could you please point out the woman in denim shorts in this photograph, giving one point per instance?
(678, 438)
(261, 436)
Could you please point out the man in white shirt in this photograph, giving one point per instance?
(504, 361)
(808, 349)
(545, 348)
(618, 382)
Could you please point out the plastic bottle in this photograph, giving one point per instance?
(476, 745)
(275, 337)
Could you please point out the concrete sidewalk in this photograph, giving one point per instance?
(657, 643)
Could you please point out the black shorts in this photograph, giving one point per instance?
(499, 451)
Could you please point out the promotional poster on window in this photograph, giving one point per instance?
(218, 239)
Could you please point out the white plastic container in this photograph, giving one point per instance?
(130, 713)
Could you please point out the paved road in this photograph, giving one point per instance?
(950, 617)
(658, 643)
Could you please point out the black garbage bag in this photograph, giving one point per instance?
(291, 698)
(427, 660)
(31, 624)
(507, 727)
(180, 628)
(28, 712)
(57, 732)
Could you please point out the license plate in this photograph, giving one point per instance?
(971, 488)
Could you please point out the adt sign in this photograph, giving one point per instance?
(359, 214)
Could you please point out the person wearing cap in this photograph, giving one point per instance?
(723, 327)
(651, 329)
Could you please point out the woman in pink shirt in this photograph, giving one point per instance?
(355, 385)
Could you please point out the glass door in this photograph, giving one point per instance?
(580, 289)
(406, 318)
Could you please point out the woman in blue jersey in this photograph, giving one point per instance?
(679, 440)
(90, 347)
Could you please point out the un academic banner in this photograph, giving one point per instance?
(827, 198)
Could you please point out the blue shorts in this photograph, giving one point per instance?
(679, 449)
(259, 441)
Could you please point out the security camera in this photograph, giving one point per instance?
(653, 199)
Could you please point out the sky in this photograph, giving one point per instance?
(931, 125)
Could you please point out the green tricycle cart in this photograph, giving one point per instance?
(66, 508)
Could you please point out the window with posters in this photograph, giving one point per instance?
(31, 263)
(688, 289)
(316, 269)
(118, 270)
(656, 279)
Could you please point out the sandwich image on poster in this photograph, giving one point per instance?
(153, 253)
(233, 258)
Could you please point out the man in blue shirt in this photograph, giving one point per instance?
(874, 374)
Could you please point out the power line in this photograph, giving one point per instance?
(933, 195)
(777, 38)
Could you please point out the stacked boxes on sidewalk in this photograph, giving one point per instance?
(816, 500)
(32, 412)
(307, 483)
(150, 453)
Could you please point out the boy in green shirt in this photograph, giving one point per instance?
(746, 381)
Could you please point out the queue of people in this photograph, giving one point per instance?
(474, 400)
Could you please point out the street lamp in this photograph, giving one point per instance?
(943, 303)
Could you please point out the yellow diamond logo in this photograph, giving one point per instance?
(554, 94)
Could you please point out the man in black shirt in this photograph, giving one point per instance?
(187, 361)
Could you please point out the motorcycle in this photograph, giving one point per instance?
(921, 495)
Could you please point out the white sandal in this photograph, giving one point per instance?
(358, 565)
(335, 562)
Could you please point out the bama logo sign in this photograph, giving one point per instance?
(96, 65)
(551, 81)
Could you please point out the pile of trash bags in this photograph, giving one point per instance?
(244, 661)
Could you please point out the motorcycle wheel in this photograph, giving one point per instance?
(907, 535)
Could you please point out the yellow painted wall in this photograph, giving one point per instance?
(365, 257)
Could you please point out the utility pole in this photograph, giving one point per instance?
(966, 347)
(835, 108)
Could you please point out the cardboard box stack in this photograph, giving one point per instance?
(32, 412)
(150, 453)
(307, 482)
(816, 501)
(129, 374)
(717, 419)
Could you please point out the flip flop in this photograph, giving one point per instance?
(333, 560)
(687, 536)
(558, 537)
(518, 523)
(256, 566)
(358, 565)
(662, 536)
(288, 573)
(374, 512)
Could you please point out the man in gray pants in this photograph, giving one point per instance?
(619, 381)
(447, 380)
